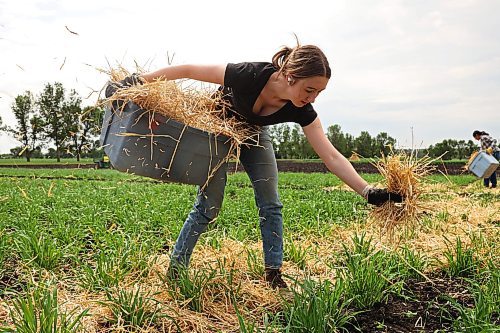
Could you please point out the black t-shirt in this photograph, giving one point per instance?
(243, 83)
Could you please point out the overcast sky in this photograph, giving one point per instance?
(431, 66)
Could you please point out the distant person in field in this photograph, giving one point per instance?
(490, 146)
(263, 94)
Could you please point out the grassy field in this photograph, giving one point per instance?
(87, 250)
(18, 161)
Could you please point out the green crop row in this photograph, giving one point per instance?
(95, 228)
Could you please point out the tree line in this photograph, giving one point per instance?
(290, 143)
(56, 117)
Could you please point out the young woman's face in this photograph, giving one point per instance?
(304, 91)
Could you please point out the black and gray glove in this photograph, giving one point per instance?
(379, 196)
(131, 80)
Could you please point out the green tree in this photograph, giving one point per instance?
(338, 139)
(277, 133)
(71, 112)
(305, 150)
(444, 148)
(465, 149)
(28, 128)
(51, 153)
(383, 144)
(364, 144)
(295, 142)
(16, 150)
(289, 141)
(349, 144)
(94, 149)
(283, 141)
(88, 127)
(51, 102)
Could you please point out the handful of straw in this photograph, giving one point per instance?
(404, 175)
(202, 109)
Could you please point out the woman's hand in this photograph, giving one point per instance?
(129, 81)
(379, 196)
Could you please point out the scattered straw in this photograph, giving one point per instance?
(404, 174)
(467, 214)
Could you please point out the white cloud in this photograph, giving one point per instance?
(430, 65)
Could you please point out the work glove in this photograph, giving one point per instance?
(131, 80)
(489, 150)
(379, 196)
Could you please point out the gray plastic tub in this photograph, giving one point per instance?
(483, 165)
(151, 145)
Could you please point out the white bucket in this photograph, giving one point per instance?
(483, 165)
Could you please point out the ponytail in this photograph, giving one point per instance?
(281, 58)
(301, 62)
(481, 133)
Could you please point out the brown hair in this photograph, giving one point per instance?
(476, 132)
(302, 61)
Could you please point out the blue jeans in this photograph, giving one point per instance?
(493, 177)
(260, 165)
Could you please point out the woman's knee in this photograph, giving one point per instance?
(206, 214)
(273, 208)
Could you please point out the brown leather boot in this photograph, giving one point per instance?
(274, 278)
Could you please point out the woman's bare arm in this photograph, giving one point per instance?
(334, 161)
(205, 73)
